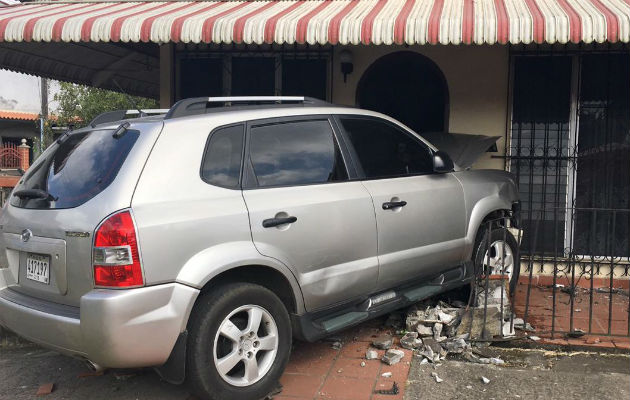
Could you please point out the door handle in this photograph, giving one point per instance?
(388, 205)
(271, 222)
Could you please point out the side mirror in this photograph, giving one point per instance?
(442, 162)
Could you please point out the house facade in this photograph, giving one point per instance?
(550, 79)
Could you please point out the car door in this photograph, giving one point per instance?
(305, 212)
(420, 215)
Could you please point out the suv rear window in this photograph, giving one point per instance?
(75, 169)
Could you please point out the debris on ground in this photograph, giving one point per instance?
(437, 378)
(386, 374)
(492, 360)
(393, 356)
(371, 355)
(336, 345)
(363, 363)
(88, 374)
(435, 328)
(393, 391)
(576, 333)
(410, 341)
(485, 380)
(383, 342)
(45, 389)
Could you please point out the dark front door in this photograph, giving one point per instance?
(409, 87)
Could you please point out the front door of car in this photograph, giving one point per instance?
(420, 215)
(306, 213)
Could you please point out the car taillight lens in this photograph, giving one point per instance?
(116, 257)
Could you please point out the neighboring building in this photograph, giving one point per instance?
(550, 78)
(17, 131)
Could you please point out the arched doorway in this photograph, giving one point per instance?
(409, 87)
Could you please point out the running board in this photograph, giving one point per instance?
(313, 326)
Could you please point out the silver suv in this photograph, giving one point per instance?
(202, 241)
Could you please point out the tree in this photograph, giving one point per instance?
(78, 105)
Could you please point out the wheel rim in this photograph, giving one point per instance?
(246, 345)
(500, 261)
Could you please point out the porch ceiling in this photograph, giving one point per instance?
(107, 65)
(320, 21)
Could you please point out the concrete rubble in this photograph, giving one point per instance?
(393, 356)
(371, 355)
(434, 330)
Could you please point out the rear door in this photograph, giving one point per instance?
(420, 215)
(305, 211)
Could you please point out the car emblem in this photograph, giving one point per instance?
(26, 235)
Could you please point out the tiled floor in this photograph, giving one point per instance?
(317, 371)
(589, 316)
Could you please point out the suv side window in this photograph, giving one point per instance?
(221, 164)
(295, 153)
(385, 150)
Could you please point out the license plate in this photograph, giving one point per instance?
(38, 268)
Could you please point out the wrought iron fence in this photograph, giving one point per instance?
(557, 294)
(575, 248)
(9, 156)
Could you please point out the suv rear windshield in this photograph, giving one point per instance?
(74, 170)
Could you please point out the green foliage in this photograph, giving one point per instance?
(78, 105)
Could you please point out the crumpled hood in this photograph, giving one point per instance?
(464, 149)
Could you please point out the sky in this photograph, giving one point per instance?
(20, 92)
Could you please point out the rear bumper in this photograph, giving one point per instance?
(112, 328)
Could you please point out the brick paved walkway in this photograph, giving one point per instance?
(595, 322)
(317, 371)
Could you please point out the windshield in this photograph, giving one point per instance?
(75, 169)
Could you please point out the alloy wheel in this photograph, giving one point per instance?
(246, 345)
(500, 260)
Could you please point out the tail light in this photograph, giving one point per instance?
(115, 255)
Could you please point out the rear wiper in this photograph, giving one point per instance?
(35, 194)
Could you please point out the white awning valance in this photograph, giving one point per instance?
(321, 21)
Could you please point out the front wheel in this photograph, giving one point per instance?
(239, 343)
(499, 255)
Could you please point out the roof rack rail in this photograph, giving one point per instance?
(117, 115)
(199, 105)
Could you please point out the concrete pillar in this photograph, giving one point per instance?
(167, 75)
(24, 153)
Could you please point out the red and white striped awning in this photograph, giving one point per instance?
(321, 21)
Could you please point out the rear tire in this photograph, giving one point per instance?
(230, 355)
(501, 240)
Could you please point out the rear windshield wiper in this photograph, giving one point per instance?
(35, 194)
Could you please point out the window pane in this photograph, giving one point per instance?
(253, 76)
(385, 150)
(296, 153)
(304, 78)
(77, 169)
(222, 161)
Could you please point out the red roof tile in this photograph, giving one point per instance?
(18, 115)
